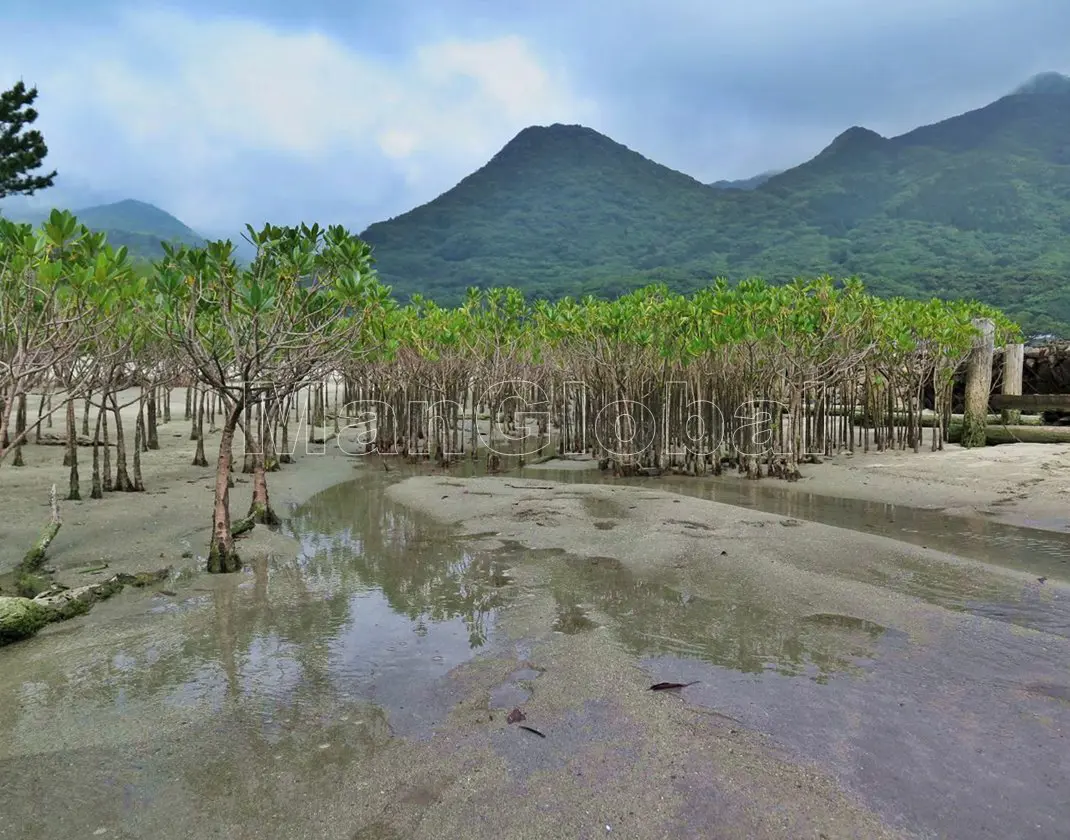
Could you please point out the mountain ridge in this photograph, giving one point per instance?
(750, 183)
(974, 205)
(977, 205)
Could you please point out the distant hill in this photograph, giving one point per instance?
(560, 209)
(977, 205)
(138, 226)
(751, 183)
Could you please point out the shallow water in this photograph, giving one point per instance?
(1039, 551)
(166, 717)
(313, 661)
(728, 625)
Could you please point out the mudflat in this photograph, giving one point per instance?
(356, 680)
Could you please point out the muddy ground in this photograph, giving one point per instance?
(845, 685)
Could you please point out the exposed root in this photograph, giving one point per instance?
(35, 557)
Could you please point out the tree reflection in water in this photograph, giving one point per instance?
(353, 537)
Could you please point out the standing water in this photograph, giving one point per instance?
(159, 714)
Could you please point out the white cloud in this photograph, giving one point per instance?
(172, 107)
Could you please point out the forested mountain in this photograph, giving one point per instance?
(977, 205)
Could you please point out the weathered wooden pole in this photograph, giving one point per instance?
(1013, 365)
(978, 384)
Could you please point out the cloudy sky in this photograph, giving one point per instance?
(230, 111)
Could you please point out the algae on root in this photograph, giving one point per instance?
(30, 586)
(21, 618)
(35, 557)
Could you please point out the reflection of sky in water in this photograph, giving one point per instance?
(385, 657)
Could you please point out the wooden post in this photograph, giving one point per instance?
(978, 384)
(1013, 365)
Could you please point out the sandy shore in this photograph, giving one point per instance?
(169, 524)
(1025, 484)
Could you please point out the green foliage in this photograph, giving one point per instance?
(61, 294)
(977, 206)
(816, 318)
(22, 150)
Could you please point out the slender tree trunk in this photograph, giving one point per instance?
(20, 431)
(336, 404)
(97, 491)
(260, 510)
(196, 427)
(40, 422)
(165, 392)
(140, 422)
(74, 494)
(122, 477)
(199, 458)
(85, 413)
(222, 556)
(270, 453)
(189, 402)
(102, 419)
(67, 457)
(139, 439)
(284, 456)
(153, 432)
(249, 462)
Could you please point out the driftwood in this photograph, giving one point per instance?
(56, 597)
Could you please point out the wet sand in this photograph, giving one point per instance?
(148, 530)
(1024, 484)
(849, 686)
(912, 659)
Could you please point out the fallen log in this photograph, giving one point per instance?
(928, 420)
(21, 618)
(1016, 434)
